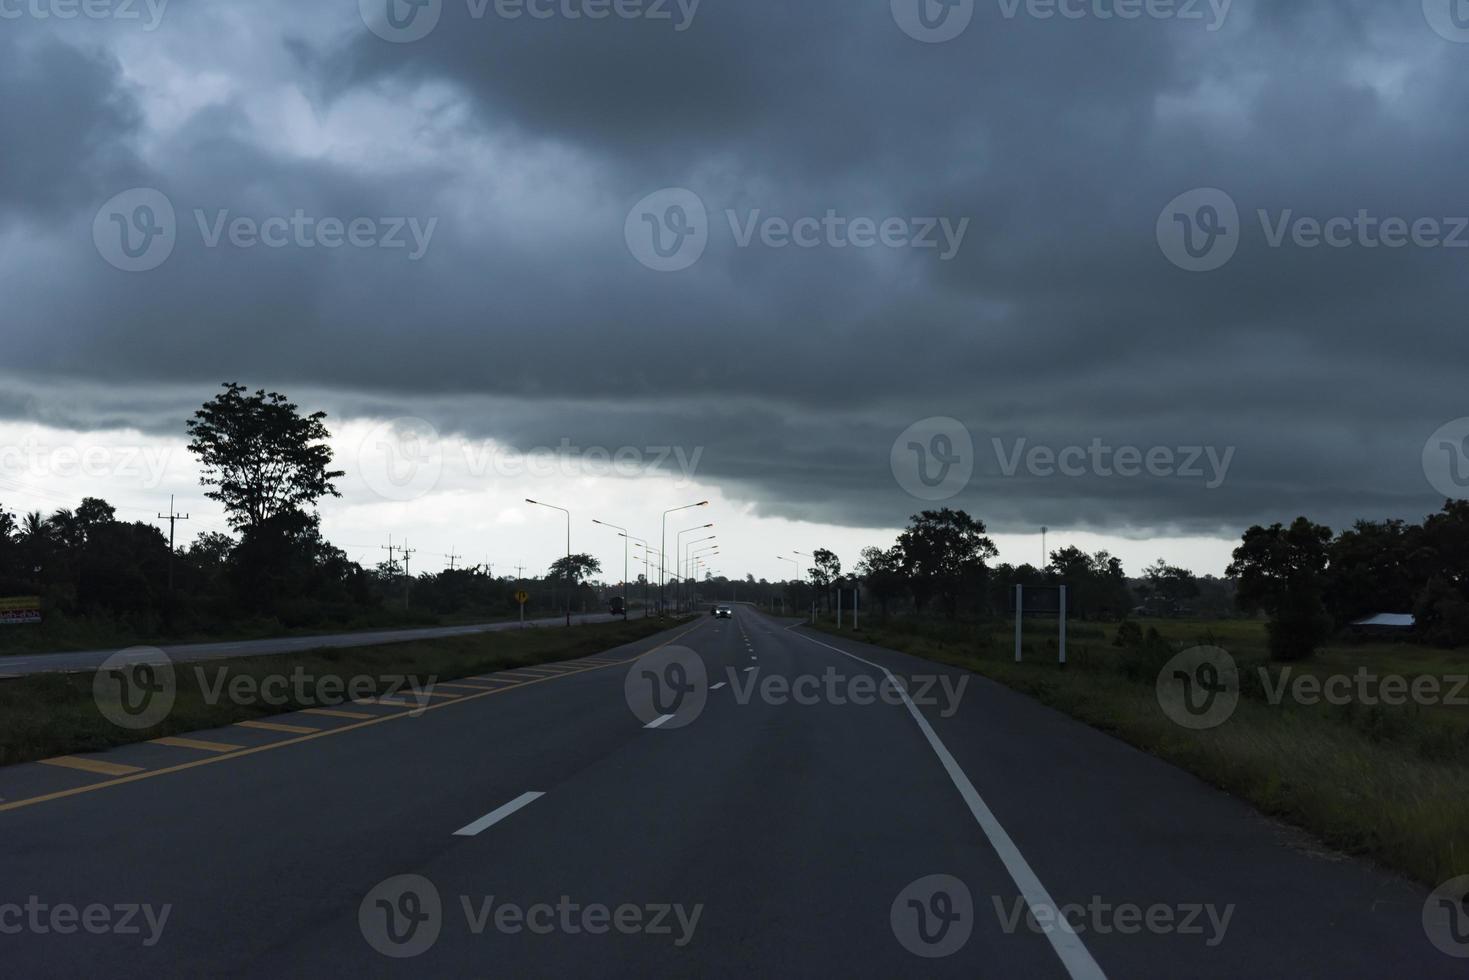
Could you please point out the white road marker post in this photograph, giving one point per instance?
(1063, 625)
(1019, 612)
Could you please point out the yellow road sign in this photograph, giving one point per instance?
(522, 597)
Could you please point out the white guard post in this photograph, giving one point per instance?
(1019, 616)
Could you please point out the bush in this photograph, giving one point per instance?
(1129, 634)
(1142, 661)
(1299, 627)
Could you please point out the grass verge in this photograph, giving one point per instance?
(46, 715)
(1382, 782)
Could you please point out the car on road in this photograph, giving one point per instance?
(723, 612)
(617, 605)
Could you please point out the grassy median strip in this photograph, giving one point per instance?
(48, 715)
(1390, 783)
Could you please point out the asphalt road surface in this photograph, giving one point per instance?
(583, 820)
(42, 663)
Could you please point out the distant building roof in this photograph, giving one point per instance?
(1393, 620)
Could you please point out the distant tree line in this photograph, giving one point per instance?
(1311, 582)
(940, 565)
(269, 466)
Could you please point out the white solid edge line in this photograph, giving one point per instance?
(1064, 940)
(495, 816)
(659, 721)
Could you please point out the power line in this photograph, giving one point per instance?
(173, 518)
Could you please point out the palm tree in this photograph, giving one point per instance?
(66, 530)
(35, 541)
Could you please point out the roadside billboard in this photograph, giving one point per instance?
(19, 610)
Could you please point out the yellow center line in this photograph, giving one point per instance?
(91, 765)
(275, 726)
(334, 713)
(136, 776)
(194, 743)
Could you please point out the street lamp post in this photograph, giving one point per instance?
(647, 576)
(710, 551)
(663, 549)
(678, 547)
(813, 581)
(793, 562)
(625, 599)
(568, 551)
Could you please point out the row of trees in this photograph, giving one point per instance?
(1311, 582)
(941, 561)
(269, 466)
(85, 563)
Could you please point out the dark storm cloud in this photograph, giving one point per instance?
(1059, 322)
(64, 124)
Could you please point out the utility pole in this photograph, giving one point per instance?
(407, 553)
(173, 517)
(391, 549)
(453, 558)
(1044, 559)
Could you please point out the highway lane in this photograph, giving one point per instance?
(40, 663)
(791, 829)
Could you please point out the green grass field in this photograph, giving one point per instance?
(46, 715)
(1386, 782)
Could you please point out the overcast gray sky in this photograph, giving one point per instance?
(1047, 228)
